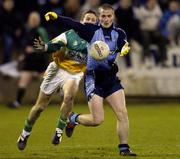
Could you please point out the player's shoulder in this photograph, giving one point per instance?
(71, 34)
(121, 32)
(68, 32)
(60, 38)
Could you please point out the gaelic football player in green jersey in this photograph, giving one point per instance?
(65, 72)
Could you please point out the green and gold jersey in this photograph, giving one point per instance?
(69, 51)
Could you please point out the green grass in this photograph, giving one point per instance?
(154, 134)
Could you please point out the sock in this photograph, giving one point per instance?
(61, 123)
(28, 126)
(20, 94)
(59, 130)
(73, 118)
(123, 147)
(25, 133)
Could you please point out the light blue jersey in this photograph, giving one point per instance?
(113, 36)
(110, 36)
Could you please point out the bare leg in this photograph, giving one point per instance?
(70, 89)
(96, 116)
(117, 102)
(41, 104)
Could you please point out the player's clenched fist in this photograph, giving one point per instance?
(51, 16)
(125, 49)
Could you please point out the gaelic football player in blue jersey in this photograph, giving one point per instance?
(101, 81)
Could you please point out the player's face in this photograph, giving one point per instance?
(106, 17)
(89, 18)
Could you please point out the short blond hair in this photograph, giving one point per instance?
(105, 6)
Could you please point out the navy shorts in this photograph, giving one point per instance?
(101, 83)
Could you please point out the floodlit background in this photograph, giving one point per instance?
(150, 74)
(153, 30)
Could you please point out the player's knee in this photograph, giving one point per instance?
(40, 108)
(122, 114)
(68, 98)
(97, 121)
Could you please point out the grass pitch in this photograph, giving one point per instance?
(154, 134)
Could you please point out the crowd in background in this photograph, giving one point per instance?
(146, 22)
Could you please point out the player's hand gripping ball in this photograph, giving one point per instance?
(51, 16)
(99, 50)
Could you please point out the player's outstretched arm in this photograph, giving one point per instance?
(86, 31)
(65, 21)
(49, 47)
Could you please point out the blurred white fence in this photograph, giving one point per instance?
(141, 80)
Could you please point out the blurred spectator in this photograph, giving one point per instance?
(41, 5)
(51, 5)
(109, 1)
(170, 22)
(138, 3)
(32, 63)
(91, 5)
(149, 16)
(163, 4)
(10, 28)
(72, 8)
(127, 21)
(25, 7)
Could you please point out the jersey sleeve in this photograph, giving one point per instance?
(122, 39)
(75, 42)
(61, 38)
(86, 31)
(56, 43)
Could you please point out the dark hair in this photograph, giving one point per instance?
(105, 6)
(87, 12)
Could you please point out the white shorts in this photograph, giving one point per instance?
(55, 78)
